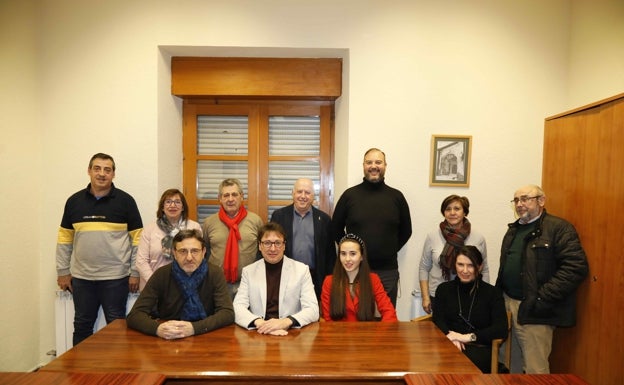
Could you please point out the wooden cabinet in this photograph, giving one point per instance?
(583, 177)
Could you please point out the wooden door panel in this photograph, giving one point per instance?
(584, 183)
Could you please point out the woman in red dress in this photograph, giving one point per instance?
(353, 292)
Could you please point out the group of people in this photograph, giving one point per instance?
(542, 263)
(304, 265)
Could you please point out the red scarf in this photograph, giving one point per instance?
(230, 260)
(455, 239)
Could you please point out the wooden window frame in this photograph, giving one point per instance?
(258, 158)
(257, 86)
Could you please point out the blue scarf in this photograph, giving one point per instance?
(193, 309)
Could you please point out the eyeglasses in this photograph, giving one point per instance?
(523, 200)
(185, 252)
(268, 244)
(171, 202)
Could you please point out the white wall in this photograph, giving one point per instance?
(21, 177)
(492, 69)
(596, 51)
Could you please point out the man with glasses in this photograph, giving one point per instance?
(231, 233)
(96, 248)
(189, 296)
(542, 264)
(276, 293)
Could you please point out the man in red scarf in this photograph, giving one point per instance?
(232, 233)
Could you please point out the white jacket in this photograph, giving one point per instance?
(296, 294)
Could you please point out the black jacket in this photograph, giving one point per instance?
(553, 266)
(324, 246)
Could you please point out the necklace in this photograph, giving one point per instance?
(352, 288)
(461, 315)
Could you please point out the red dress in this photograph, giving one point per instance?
(387, 311)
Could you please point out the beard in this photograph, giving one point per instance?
(374, 178)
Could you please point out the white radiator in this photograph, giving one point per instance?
(417, 310)
(64, 315)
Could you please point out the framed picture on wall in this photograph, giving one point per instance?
(450, 160)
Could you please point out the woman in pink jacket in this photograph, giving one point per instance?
(353, 292)
(156, 238)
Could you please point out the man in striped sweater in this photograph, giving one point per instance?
(96, 248)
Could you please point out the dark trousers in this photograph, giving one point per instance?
(390, 282)
(111, 294)
(480, 355)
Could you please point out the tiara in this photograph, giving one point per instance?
(354, 237)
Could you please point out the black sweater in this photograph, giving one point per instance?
(488, 315)
(380, 215)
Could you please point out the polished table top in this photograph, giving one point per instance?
(494, 379)
(324, 350)
(60, 378)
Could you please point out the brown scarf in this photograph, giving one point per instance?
(230, 260)
(455, 239)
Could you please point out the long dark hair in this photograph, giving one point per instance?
(362, 286)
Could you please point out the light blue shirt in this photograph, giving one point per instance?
(303, 238)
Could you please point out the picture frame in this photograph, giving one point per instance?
(450, 160)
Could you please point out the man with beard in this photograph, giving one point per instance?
(542, 264)
(186, 297)
(380, 215)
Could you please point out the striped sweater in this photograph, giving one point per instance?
(98, 238)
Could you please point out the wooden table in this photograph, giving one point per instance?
(60, 378)
(494, 379)
(330, 352)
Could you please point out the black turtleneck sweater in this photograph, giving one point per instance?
(273, 279)
(379, 214)
(487, 314)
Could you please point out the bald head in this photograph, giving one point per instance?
(303, 195)
(530, 190)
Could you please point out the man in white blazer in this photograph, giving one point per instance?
(276, 292)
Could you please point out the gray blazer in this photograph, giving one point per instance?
(296, 294)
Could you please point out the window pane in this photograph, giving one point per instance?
(211, 172)
(273, 208)
(294, 135)
(222, 135)
(205, 211)
(282, 177)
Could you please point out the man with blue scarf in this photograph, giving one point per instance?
(187, 297)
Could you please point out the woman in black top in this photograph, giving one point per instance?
(470, 311)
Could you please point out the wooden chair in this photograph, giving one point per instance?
(426, 317)
(495, 343)
(496, 346)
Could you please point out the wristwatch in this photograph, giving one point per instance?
(473, 337)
